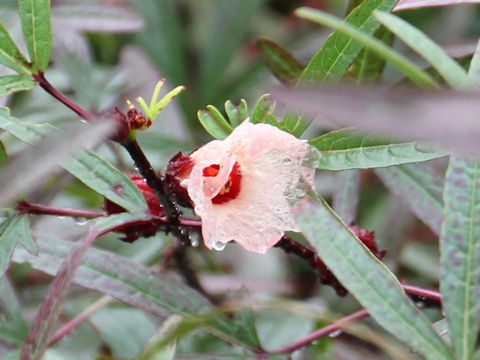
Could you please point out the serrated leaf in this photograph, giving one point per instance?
(450, 70)
(316, 71)
(345, 149)
(368, 279)
(295, 123)
(419, 189)
(14, 230)
(27, 132)
(10, 55)
(49, 311)
(37, 30)
(339, 50)
(460, 253)
(368, 66)
(134, 284)
(263, 112)
(416, 4)
(236, 113)
(36, 163)
(286, 68)
(214, 122)
(11, 84)
(105, 179)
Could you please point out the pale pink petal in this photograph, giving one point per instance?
(273, 179)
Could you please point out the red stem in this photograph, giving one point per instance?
(43, 82)
(321, 333)
(25, 207)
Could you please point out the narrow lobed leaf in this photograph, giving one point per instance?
(345, 149)
(36, 163)
(340, 50)
(460, 253)
(263, 112)
(368, 66)
(350, 32)
(14, 230)
(11, 84)
(27, 132)
(236, 113)
(49, 311)
(214, 122)
(450, 70)
(37, 30)
(419, 189)
(368, 279)
(10, 55)
(105, 179)
(417, 4)
(286, 68)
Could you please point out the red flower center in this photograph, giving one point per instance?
(231, 189)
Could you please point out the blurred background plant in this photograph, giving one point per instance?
(104, 51)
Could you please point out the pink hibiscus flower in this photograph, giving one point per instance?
(244, 187)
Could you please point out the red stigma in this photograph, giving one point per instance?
(231, 189)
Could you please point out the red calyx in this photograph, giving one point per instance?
(178, 168)
(133, 232)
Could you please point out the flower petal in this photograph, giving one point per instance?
(273, 178)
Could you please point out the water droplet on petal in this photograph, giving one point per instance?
(336, 333)
(219, 246)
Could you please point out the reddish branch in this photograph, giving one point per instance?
(43, 82)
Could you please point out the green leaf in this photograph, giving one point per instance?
(214, 122)
(368, 279)
(134, 284)
(474, 69)
(420, 190)
(286, 68)
(29, 133)
(13, 332)
(318, 69)
(339, 50)
(14, 230)
(10, 55)
(105, 179)
(124, 330)
(344, 149)
(236, 113)
(450, 70)
(368, 66)
(460, 253)
(263, 112)
(50, 309)
(295, 123)
(37, 29)
(10, 84)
